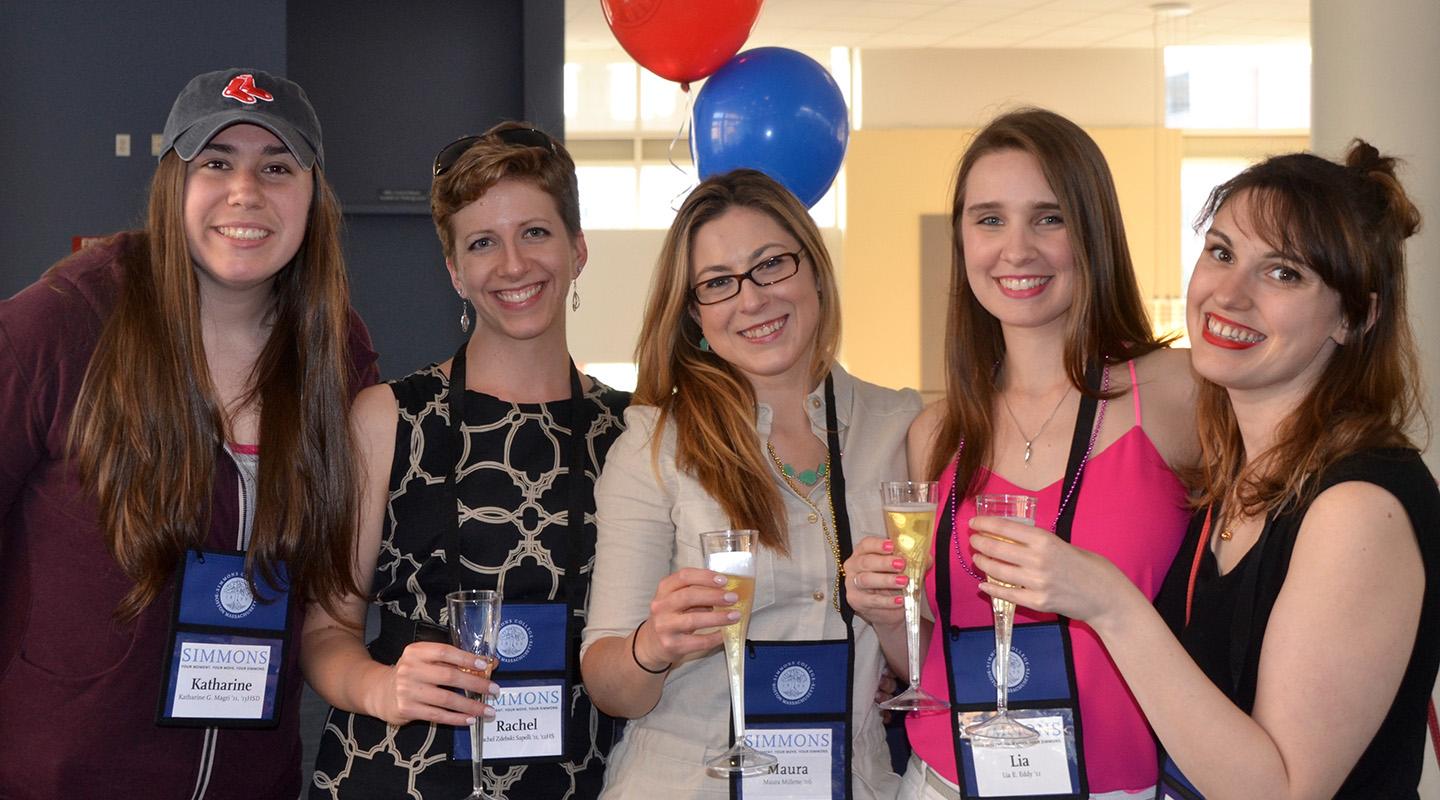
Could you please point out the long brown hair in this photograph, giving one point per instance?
(710, 403)
(1348, 223)
(147, 426)
(1107, 319)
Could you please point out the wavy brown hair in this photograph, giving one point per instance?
(148, 428)
(1348, 223)
(710, 403)
(1107, 318)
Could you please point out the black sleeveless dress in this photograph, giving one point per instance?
(1230, 612)
(513, 489)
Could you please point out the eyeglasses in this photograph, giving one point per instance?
(776, 268)
(520, 137)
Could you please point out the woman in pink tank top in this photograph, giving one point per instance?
(1048, 350)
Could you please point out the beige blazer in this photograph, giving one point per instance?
(648, 527)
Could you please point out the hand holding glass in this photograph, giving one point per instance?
(909, 508)
(474, 626)
(1000, 728)
(732, 554)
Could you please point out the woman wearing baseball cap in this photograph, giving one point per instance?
(176, 471)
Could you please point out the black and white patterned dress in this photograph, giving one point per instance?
(513, 492)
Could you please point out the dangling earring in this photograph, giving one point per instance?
(464, 315)
(704, 345)
(575, 296)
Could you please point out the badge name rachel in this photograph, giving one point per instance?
(528, 723)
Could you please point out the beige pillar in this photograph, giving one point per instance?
(1375, 75)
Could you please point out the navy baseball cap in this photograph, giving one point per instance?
(211, 102)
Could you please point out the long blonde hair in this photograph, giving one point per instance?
(147, 426)
(710, 403)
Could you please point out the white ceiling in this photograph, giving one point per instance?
(990, 23)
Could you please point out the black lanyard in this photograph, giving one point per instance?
(1080, 443)
(454, 447)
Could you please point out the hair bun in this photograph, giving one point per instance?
(1393, 205)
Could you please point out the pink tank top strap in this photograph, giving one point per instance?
(1135, 393)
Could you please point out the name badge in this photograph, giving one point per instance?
(1047, 767)
(796, 700)
(808, 766)
(531, 708)
(227, 645)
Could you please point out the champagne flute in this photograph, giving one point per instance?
(474, 626)
(1000, 728)
(909, 508)
(732, 554)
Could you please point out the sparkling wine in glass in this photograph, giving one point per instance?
(732, 554)
(474, 627)
(909, 508)
(1000, 728)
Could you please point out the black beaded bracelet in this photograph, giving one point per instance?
(635, 638)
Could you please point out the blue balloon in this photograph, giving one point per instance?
(777, 111)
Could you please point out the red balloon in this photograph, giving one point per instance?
(681, 40)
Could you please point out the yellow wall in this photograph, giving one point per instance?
(895, 176)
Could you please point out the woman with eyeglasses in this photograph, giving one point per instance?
(1294, 645)
(176, 476)
(486, 486)
(742, 419)
(1056, 389)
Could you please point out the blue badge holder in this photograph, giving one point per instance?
(797, 696)
(1174, 785)
(534, 652)
(227, 645)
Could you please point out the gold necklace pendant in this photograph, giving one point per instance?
(1027, 453)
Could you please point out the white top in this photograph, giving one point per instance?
(648, 527)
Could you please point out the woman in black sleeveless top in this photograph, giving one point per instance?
(1300, 635)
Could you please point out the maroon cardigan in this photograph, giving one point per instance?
(78, 691)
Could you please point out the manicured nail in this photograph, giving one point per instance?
(731, 597)
(899, 599)
(470, 720)
(719, 580)
(482, 663)
(733, 616)
(888, 547)
(489, 713)
(901, 580)
(898, 563)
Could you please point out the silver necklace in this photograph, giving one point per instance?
(1030, 440)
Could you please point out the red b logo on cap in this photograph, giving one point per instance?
(243, 88)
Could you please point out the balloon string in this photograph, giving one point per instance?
(680, 132)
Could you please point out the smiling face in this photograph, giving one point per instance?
(514, 260)
(1018, 259)
(247, 202)
(767, 332)
(1260, 323)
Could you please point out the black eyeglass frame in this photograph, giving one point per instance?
(740, 277)
(519, 137)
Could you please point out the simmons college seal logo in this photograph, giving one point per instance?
(233, 596)
(794, 683)
(1019, 669)
(514, 641)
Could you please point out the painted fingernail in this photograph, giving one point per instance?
(898, 563)
(731, 597)
(489, 713)
(470, 720)
(719, 580)
(888, 547)
(482, 663)
(901, 580)
(733, 616)
(899, 599)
